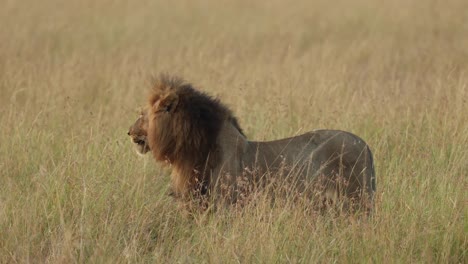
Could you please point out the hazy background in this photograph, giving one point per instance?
(73, 73)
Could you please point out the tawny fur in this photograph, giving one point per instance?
(210, 154)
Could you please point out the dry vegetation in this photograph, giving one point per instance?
(72, 74)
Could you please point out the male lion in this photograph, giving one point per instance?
(210, 155)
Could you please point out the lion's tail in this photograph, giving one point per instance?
(371, 157)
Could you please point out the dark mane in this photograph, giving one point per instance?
(167, 82)
(186, 134)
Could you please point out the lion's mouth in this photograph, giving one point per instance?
(141, 146)
(139, 142)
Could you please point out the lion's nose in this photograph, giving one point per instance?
(128, 133)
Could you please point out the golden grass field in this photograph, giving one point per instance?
(73, 74)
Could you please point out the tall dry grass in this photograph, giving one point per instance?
(73, 73)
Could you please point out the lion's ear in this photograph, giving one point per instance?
(166, 104)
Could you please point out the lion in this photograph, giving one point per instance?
(201, 139)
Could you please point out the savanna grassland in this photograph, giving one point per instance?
(73, 74)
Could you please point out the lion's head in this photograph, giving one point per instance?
(138, 133)
(182, 129)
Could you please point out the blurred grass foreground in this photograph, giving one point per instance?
(72, 74)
